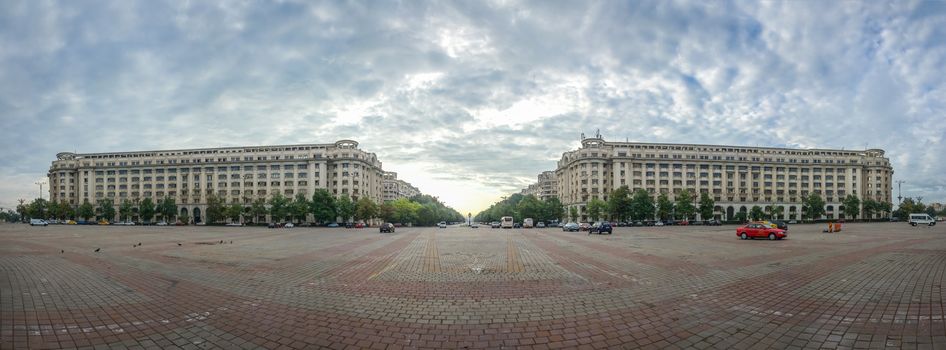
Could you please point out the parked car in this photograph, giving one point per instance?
(601, 228)
(387, 227)
(516, 225)
(103, 222)
(540, 225)
(584, 226)
(494, 224)
(71, 222)
(349, 225)
(288, 225)
(682, 222)
(38, 222)
(658, 223)
(53, 222)
(712, 222)
(756, 230)
(442, 224)
(780, 224)
(161, 223)
(571, 227)
(474, 225)
(332, 224)
(234, 224)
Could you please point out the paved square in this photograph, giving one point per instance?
(870, 286)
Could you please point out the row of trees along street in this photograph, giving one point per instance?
(624, 205)
(321, 208)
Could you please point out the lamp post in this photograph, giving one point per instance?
(40, 183)
(899, 196)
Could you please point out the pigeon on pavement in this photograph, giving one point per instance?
(97, 250)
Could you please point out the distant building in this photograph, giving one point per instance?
(395, 189)
(736, 177)
(235, 174)
(544, 188)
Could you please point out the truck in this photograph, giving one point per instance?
(527, 223)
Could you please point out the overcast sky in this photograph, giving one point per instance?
(470, 100)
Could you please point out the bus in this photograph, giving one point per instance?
(505, 222)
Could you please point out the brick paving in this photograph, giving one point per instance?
(870, 286)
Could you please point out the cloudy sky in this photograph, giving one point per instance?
(470, 100)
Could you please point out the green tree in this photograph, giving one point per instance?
(216, 209)
(345, 208)
(86, 211)
(365, 209)
(814, 206)
(756, 213)
(405, 211)
(278, 207)
(870, 206)
(553, 209)
(125, 209)
(529, 207)
(54, 210)
(620, 204)
(322, 206)
(299, 207)
(107, 208)
(38, 209)
(146, 210)
(573, 213)
(684, 204)
(706, 206)
(642, 205)
(386, 212)
(596, 208)
(776, 211)
(258, 208)
(66, 210)
(233, 212)
(851, 206)
(168, 209)
(664, 206)
(740, 217)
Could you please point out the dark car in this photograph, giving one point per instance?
(601, 227)
(517, 225)
(387, 227)
(349, 225)
(780, 224)
(712, 222)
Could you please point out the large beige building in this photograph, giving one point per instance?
(236, 174)
(736, 177)
(395, 188)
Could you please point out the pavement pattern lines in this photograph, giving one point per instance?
(871, 286)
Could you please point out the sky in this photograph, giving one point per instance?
(470, 100)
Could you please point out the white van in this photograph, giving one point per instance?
(527, 223)
(38, 222)
(505, 222)
(921, 219)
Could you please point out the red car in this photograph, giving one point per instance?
(584, 226)
(759, 230)
(359, 225)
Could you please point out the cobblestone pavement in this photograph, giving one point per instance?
(870, 286)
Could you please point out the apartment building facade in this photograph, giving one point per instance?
(395, 188)
(736, 177)
(235, 174)
(544, 188)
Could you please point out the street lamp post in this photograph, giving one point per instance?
(40, 183)
(899, 192)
